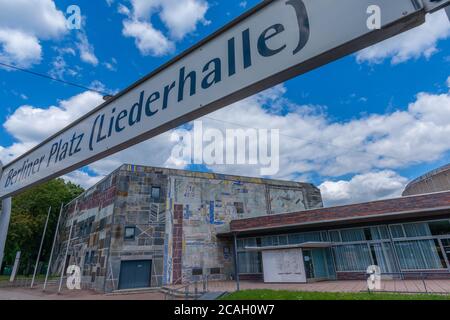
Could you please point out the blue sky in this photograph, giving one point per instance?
(359, 128)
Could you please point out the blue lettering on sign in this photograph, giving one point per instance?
(189, 82)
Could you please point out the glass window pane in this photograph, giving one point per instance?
(383, 231)
(249, 262)
(418, 255)
(156, 193)
(351, 235)
(335, 237)
(294, 239)
(129, 233)
(417, 230)
(266, 241)
(354, 257)
(397, 231)
(439, 228)
(250, 242)
(282, 240)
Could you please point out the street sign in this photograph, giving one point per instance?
(271, 43)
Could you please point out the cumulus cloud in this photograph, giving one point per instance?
(82, 178)
(29, 124)
(17, 47)
(86, 50)
(148, 40)
(180, 17)
(362, 188)
(419, 42)
(23, 24)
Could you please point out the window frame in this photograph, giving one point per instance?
(125, 238)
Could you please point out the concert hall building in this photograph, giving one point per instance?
(151, 227)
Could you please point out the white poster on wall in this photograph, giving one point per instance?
(284, 266)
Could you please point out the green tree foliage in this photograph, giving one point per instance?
(29, 212)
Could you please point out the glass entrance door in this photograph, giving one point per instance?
(309, 266)
(318, 264)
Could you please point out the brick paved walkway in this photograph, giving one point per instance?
(411, 286)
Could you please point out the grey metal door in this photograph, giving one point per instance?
(135, 274)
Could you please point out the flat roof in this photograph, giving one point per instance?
(418, 206)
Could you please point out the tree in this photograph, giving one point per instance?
(28, 215)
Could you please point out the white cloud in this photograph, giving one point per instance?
(82, 179)
(413, 44)
(148, 40)
(19, 48)
(180, 17)
(23, 23)
(29, 124)
(40, 18)
(86, 50)
(362, 188)
(112, 65)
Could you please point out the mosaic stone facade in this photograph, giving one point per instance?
(170, 217)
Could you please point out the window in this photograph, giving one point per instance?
(156, 193)
(353, 257)
(352, 235)
(266, 241)
(249, 262)
(130, 233)
(282, 240)
(239, 207)
(214, 271)
(86, 258)
(419, 255)
(197, 271)
(335, 236)
(397, 231)
(416, 230)
(439, 228)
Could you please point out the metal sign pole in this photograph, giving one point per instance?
(65, 258)
(4, 225)
(40, 247)
(53, 247)
(15, 268)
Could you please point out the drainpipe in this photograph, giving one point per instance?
(236, 263)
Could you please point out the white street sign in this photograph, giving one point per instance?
(275, 41)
